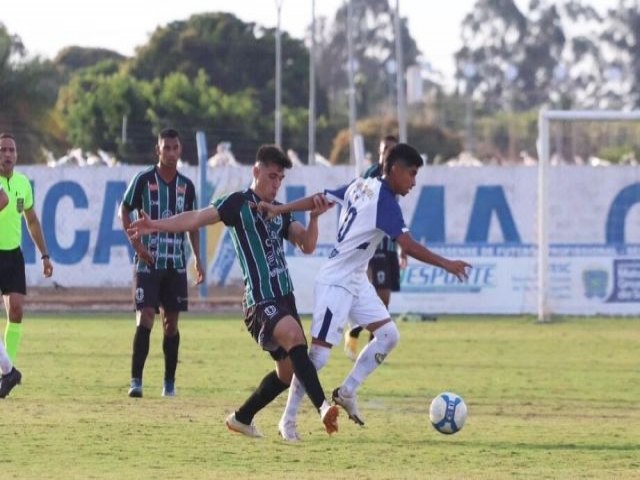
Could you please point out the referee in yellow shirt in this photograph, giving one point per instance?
(12, 268)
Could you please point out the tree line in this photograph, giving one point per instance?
(216, 73)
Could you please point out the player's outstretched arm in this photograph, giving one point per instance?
(183, 222)
(419, 252)
(301, 205)
(306, 239)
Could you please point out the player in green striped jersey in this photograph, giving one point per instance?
(160, 264)
(269, 305)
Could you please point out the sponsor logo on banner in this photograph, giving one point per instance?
(595, 282)
(626, 281)
(429, 279)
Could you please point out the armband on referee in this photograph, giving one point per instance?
(45, 257)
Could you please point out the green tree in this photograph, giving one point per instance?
(437, 144)
(374, 52)
(28, 88)
(76, 58)
(198, 105)
(622, 70)
(94, 104)
(235, 55)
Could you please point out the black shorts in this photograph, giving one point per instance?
(12, 274)
(166, 288)
(385, 270)
(261, 319)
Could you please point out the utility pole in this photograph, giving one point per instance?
(312, 88)
(352, 87)
(401, 98)
(278, 119)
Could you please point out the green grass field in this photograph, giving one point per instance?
(545, 401)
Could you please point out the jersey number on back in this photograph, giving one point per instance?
(346, 224)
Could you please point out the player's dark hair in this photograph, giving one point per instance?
(402, 154)
(168, 133)
(7, 135)
(272, 154)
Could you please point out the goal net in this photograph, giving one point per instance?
(588, 218)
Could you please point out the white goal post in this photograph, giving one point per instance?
(544, 119)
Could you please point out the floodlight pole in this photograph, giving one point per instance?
(352, 87)
(278, 109)
(312, 88)
(402, 106)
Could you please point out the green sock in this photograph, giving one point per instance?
(12, 335)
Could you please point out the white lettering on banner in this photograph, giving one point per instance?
(483, 215)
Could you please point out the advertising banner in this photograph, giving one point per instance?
(486, 216)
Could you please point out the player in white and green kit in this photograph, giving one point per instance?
(269, 305)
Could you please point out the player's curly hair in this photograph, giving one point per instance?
(272, 154)
(403, 154)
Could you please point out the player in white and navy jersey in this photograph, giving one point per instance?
(370, 211)
(386, 263)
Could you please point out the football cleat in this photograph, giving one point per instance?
(169, 388)
(350, 405)
(289, 431)
(236, 425)
(135, 390)
(8, 381)
(329, 416)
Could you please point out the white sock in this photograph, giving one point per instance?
(319, 356)
(384, 340)
(5, 362)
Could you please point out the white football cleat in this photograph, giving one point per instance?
(235, 425)
(350, 405)
(289, 431)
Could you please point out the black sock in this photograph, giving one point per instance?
(170, 347)
(140, 351)
(270, 387)
(307, 374)
(355, 332)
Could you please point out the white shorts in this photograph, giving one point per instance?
(335, 305)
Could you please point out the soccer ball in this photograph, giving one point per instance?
(448, 412)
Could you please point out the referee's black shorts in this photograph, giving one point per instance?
(12, 274)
